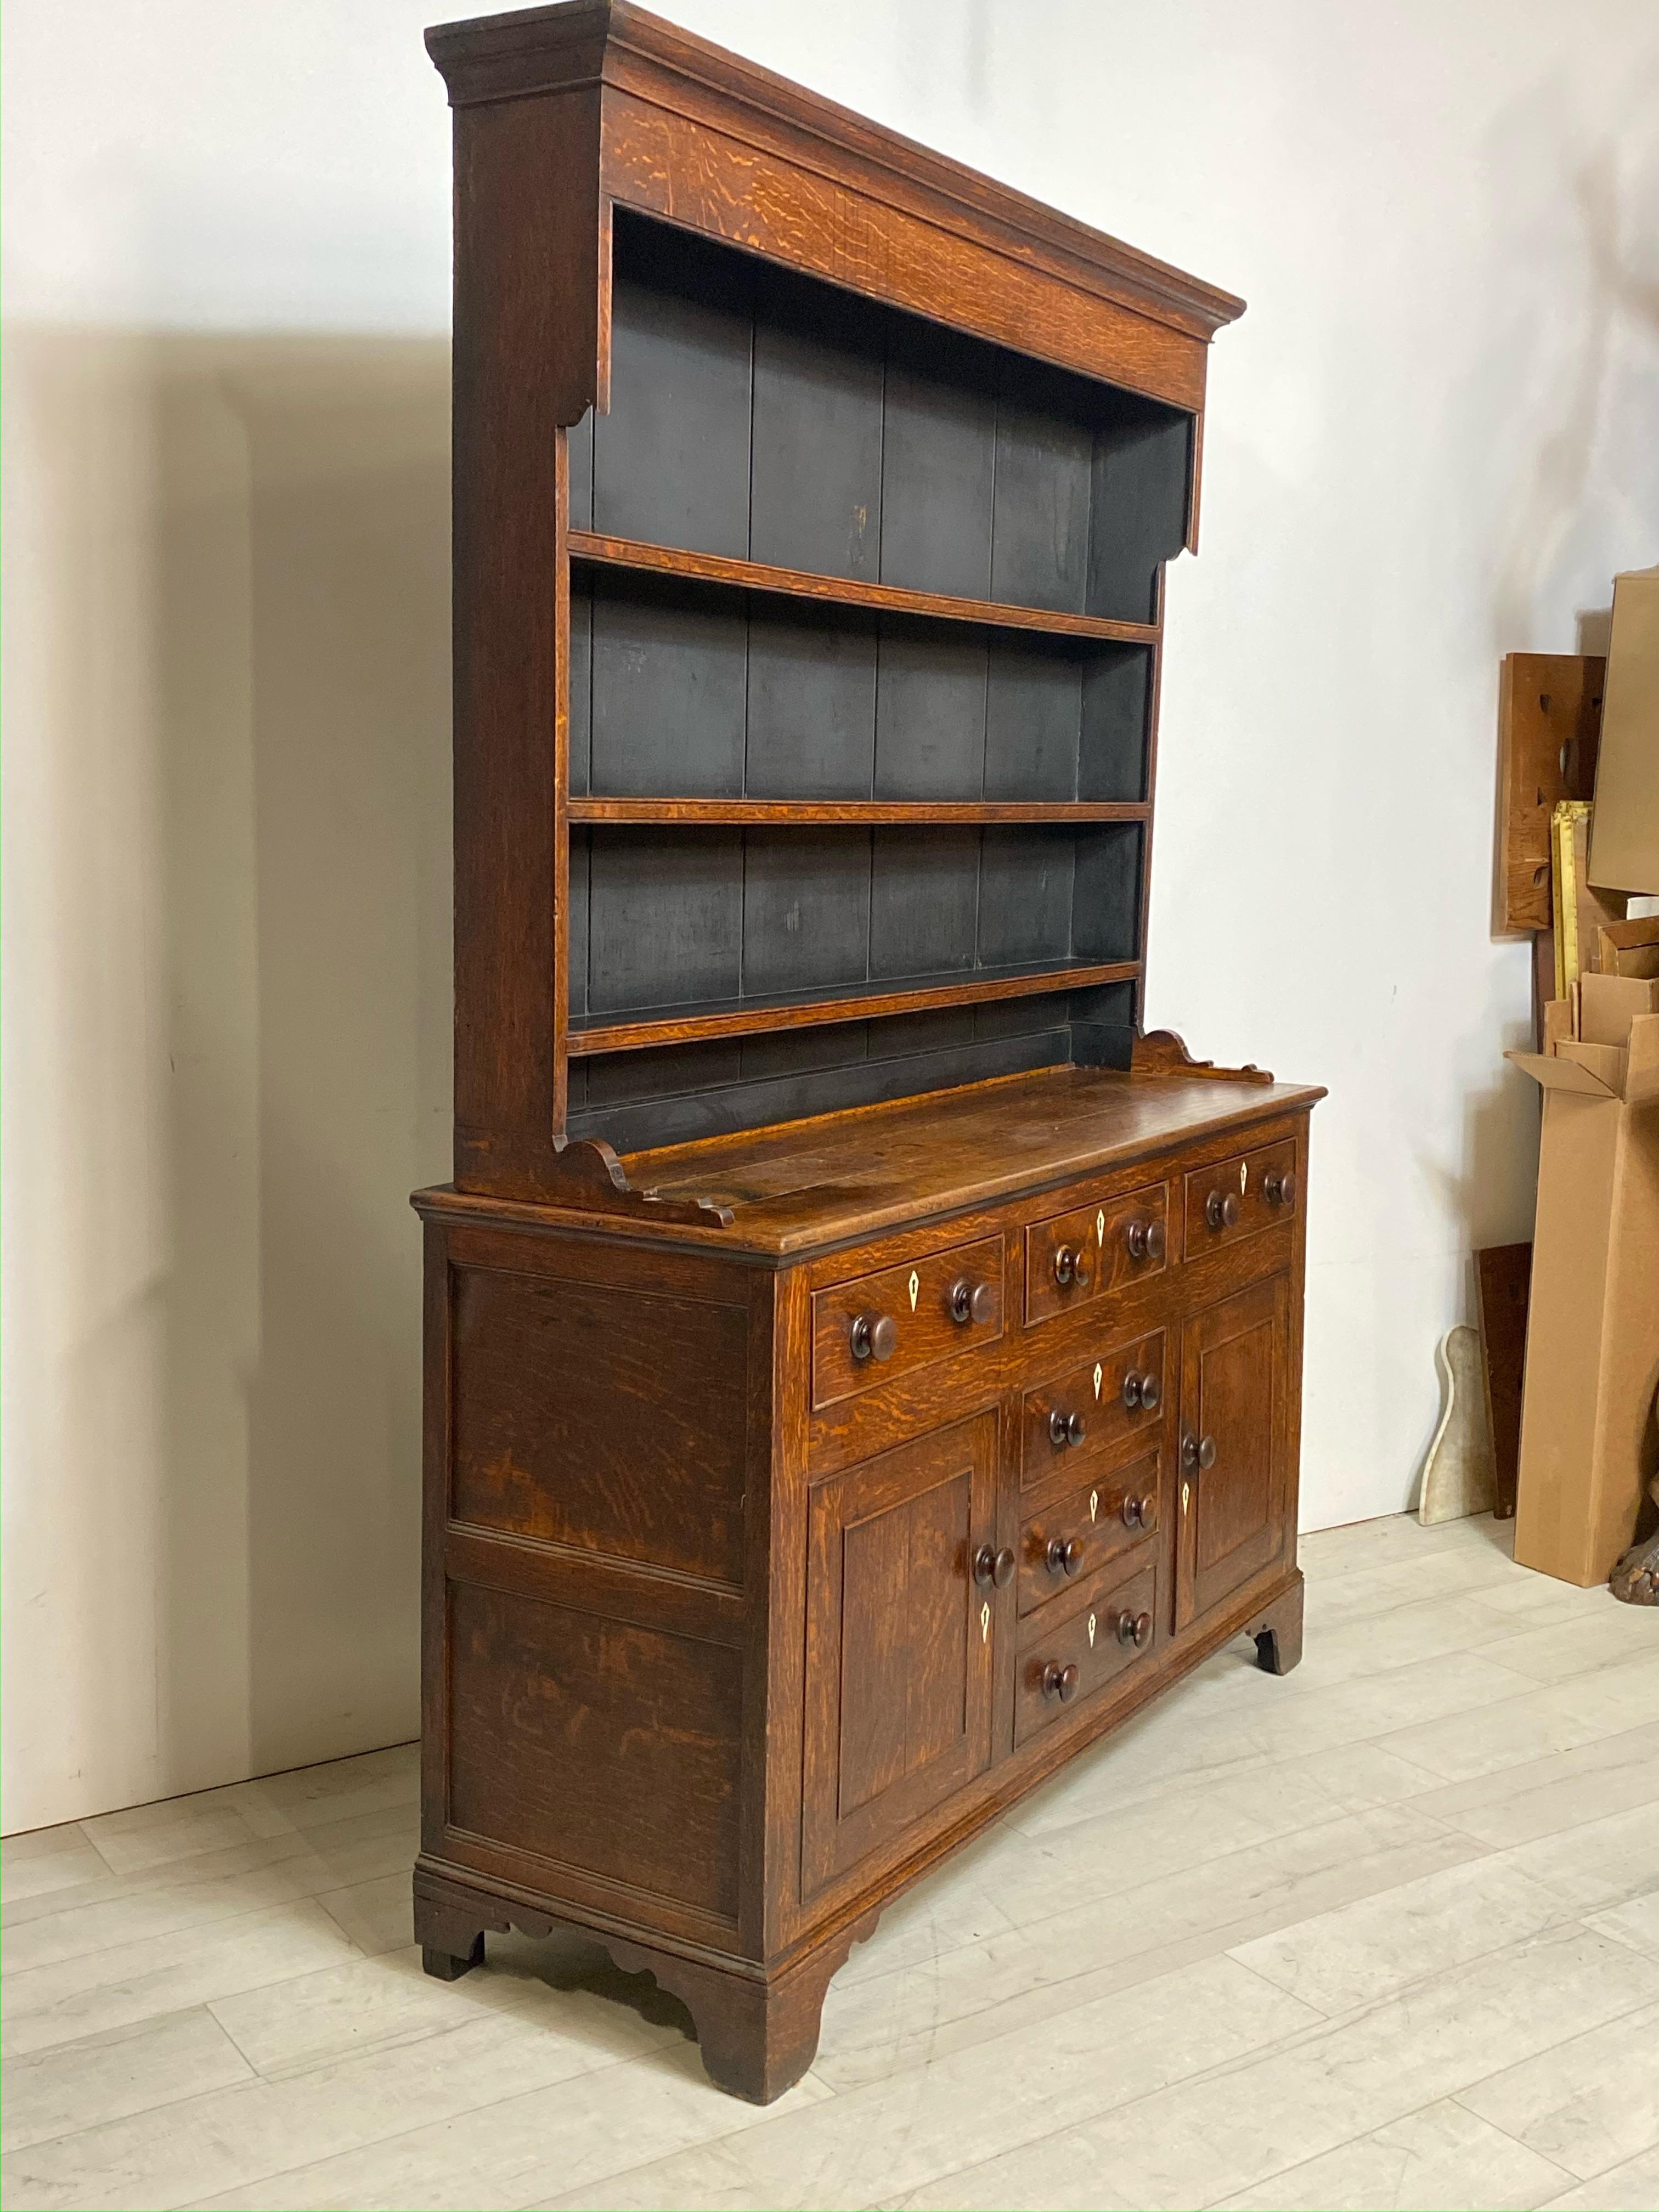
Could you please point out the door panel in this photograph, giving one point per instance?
(1234, 1409)
(898, 1641)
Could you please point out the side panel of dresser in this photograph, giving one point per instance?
(597, 1491)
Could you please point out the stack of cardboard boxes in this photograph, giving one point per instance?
(1589, 1428)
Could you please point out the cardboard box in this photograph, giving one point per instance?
(1588, 1432)
(1624, 851)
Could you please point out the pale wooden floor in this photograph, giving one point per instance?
(1385, 1933)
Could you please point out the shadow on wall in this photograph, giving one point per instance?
(244, 677)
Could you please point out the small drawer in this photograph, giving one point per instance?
(876, 1327)
(1067, 1662)
(1236, 1198)
(1085, 1529)
(1073, 1257)
(1066, 1422)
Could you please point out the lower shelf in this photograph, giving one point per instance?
(592, 1034)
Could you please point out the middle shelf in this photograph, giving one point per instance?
(807, 813)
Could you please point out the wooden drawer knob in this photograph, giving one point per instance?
(1064, 1555)
(994, 1570)
(1221, 1209)
(874, 1336)
(1059, 1681)
(1071, 1266)
(1142, 1391)
(1140, 1512)
(1279, 1189)
(1066, 1429)
(1135, 1628)
(971, 1302)
(1197, 1454)
(1145, 1240)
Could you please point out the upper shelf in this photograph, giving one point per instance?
(638, 556)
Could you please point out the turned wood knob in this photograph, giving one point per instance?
(1197, 1454)
(994, 1570)
(874, 1336)
(971, 1300)
(1279, 1189)
(1141, 1390)
(1059, 1681)
(1145, 1240)
(1066, 1429)
(1135, 1628)
(1071, 1266)
(1141, 1511)
(1064, 1555)
(1221, 1209)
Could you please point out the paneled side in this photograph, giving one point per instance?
(606, 1417)
(595, 1744)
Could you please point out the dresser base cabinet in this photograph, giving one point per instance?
(768, 1560)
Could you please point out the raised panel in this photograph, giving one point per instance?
(600, 1415)
(898, 1643)
(595, 1744)
(1235, 1415)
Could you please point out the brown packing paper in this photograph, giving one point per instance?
(1593, 1321)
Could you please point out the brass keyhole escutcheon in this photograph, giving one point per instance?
(1097, 1378)
(1091, 1631)
(985, 1624)
(916, 1285)
(1094, 1504)
(1100, 1226)
(1186, 1496)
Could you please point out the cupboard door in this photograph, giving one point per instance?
(1234, 1470)
(898, 1641)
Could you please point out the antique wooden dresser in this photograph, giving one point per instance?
(918, 1393)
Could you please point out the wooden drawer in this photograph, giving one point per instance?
(1236, 1198)
(1077, 1532)
(1067, 1662)
(869, 1330)
(1072, 1421)
(1121, 1240)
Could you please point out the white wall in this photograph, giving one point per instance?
(225, 773)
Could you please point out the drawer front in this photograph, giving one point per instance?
(1068, 1422)
(1237, 1198)
(1075, 1256)
(1067, 1662)
(867, 1331)
(1075, 1534)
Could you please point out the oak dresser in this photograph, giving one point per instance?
(862, 1367)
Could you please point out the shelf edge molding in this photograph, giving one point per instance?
(642, 558)
(647, 1031)
(808, 813)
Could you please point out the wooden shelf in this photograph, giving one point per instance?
(589, 1035)
(633, 553)
(805, 813)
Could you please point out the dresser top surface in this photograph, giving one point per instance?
(801, 1186)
